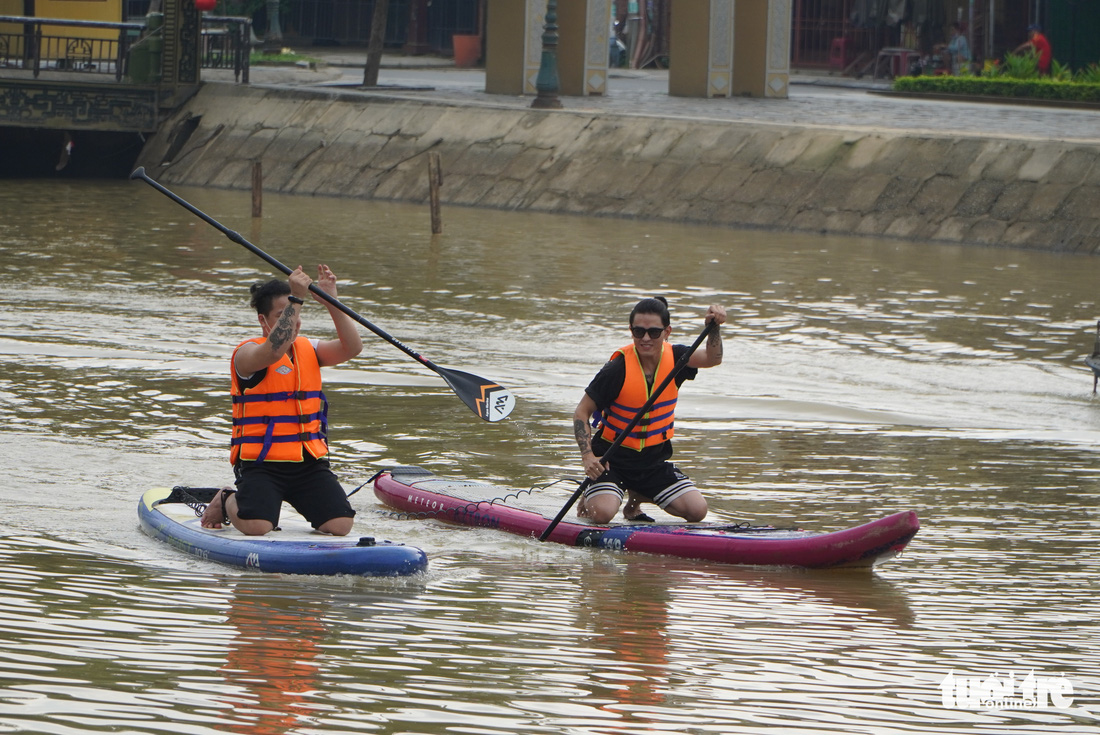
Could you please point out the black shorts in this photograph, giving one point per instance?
(310, 487)
(661, 484)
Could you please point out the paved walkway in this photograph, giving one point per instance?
(815, 101)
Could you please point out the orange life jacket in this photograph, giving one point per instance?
(656, 426)
(284, 412)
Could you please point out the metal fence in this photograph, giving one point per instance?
(342, 21)
(45, 44)
(824, 36)
(227, 44)
(117, 50)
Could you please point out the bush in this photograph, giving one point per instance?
(1018, 77)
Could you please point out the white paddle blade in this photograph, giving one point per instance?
(499, 402)
(490, 401)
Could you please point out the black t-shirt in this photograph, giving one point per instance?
(605, 388)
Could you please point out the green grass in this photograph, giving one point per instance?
(284, 57)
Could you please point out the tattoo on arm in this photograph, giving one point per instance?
(280, 335)
(714, 343)
(584, 440)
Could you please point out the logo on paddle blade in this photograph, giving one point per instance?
(496, 402)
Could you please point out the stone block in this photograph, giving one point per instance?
(657, 144)
(954, 229)
(768, 215)
(505, 194)
(574, 175)
(527, 163)
(397, 150)
(1043, 158)
(809, 220)
(959, 161)
(1082, 203)
(939, 195)
(1081, 236)
(910, 227)
(727, 182)
(694, 181)
(755, 188)
(988, 232)
(824, 150)
(734, 214)
(467, 190)
(792, 186)
(490, 158)
(1004, 160)
(927, 158)
(1013, 200)
(874, 223)
(669, 209)
(842, 222)
(547, 201)
(662, 178)
(788, 148)
(899, 192)
(555, 131)
(979, 198)
(694, 140)
(458, 125)
(1046, 201)
(1074, 166)
(1023, 234)
(230, 174)
(615, 182)
(389, 119)
(865, 151)
(755, 143)
(404, 183)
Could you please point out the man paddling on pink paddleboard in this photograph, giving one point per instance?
(622, 387)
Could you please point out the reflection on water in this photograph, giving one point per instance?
(862, 377)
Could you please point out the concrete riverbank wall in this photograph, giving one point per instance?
(1001, 192)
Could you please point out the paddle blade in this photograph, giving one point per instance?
(491, 401)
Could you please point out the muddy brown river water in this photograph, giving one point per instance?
(862, 377)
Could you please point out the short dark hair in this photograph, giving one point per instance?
(654, 305)
(264, 294)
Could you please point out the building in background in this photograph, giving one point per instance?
(839, 35)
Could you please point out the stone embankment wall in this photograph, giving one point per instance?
(1005, 192)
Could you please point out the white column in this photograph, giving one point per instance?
(720, 43)
(779, 49)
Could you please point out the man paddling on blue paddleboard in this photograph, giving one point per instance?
(640, 466)
(279, 447)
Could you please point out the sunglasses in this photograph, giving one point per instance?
(653, 332)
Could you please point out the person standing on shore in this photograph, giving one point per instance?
(1038, 43)
(279, 447)
(641, 467)
(958, 50)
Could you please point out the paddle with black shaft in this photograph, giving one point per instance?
(489, 400)
(630, 427)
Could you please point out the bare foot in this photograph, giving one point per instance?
(632, 511)
(582, 509)
(214, 515)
